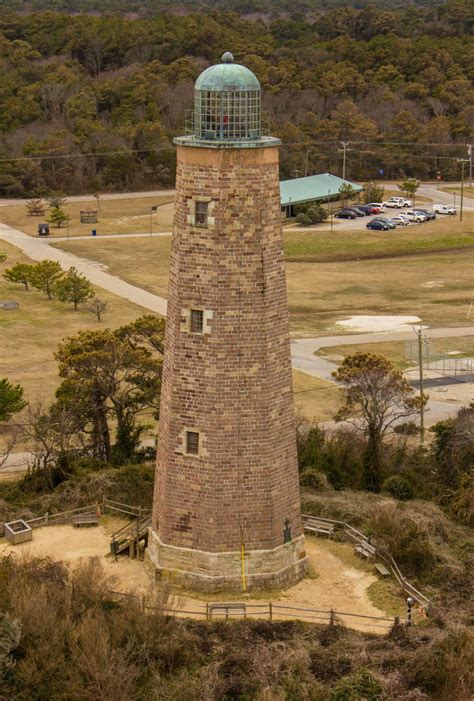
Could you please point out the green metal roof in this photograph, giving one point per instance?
(227, 76)
(313, 187)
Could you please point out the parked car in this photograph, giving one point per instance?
(387, 221)
(378, 205)
(399, 221)
(415, 216)
(345, 214)
(429, 215)
(374, 209)
(398, 202)
(377, 225)
(443, 209)
(366, 208)
(358, 212)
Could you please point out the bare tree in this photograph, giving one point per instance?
(97, 306)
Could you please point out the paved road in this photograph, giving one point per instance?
(303, 350)
(38, 249)
(110, 196)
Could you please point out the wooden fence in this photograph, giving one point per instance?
(360, 539)
(268, 611)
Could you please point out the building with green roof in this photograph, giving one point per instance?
(313, 188)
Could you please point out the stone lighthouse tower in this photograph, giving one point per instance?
(226, 511)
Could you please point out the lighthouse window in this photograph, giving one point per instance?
(197, 320)
(192, 442)
(201, 213)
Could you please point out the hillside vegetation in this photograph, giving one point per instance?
(395, 83)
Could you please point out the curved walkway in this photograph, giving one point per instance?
(302, 350)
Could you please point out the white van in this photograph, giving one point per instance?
(443, 209)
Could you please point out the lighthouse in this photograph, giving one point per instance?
(226, 508)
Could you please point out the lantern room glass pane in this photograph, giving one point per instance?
(228, 115)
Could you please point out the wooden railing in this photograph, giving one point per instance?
(361, 539)
(267, 610)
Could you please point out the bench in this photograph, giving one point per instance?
(365, 550)
(381, 569)
(317, 527)
(88, 519)
(226, 609)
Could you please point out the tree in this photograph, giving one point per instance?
(56, 200)
(20, 273)
(58, 217)
(73, 287)
(409, 186)
(35, 208)
(109, 377)
(373, 193)
(312, 215)
(346, 192)
(376, 398)
(45, 275)
(97, 306)
(11, 400)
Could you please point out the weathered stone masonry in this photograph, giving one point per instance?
(231, 383)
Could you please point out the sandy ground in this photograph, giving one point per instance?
(378, 323)
(333, 583)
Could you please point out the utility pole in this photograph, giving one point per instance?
(344, 150)
(469, 153)
(463, 162)
(330, 208)
(421, 340)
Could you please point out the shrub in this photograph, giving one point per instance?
(398, 487)
(313, 479)
(407, 428)
(357, 687)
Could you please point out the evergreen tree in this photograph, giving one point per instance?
(73, 287)
(58, 217)
(20, 273)
(11, 399)
(45, 275)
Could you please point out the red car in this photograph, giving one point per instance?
(375, 210)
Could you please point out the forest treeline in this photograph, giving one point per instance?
(91, 102)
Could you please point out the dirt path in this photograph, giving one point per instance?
(332, 585)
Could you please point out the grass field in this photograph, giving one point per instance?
(468, 191)
(395, 350)
(120, 216)
(314, 398)
(422, 270)
(31, 334)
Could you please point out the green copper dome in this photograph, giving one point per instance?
(227, 76)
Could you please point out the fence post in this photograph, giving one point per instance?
(396, 621)
(270, 610)
(46, 519)
(207, 611)
(332, 619)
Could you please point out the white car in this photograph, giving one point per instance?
(443, 209)
(400, 220)
(415, 216)
(380, 205)
(398, 202)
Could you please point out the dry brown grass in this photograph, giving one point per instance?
(317, 400)
(424, 270)
(31, 334)
(118, 216)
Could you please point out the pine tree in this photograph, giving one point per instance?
(19, 273)
(74, 288)
(58, 217)
(45, 275)
(35, 208)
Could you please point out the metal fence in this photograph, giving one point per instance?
(442, 363)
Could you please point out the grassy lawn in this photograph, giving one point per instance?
(31, 334)
(424, 270)
(315, 399)
(468, 191)
(395, 350)
(121, 216)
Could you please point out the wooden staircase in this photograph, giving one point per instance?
(132, 537)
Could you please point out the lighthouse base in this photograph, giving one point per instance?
(211, 572)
